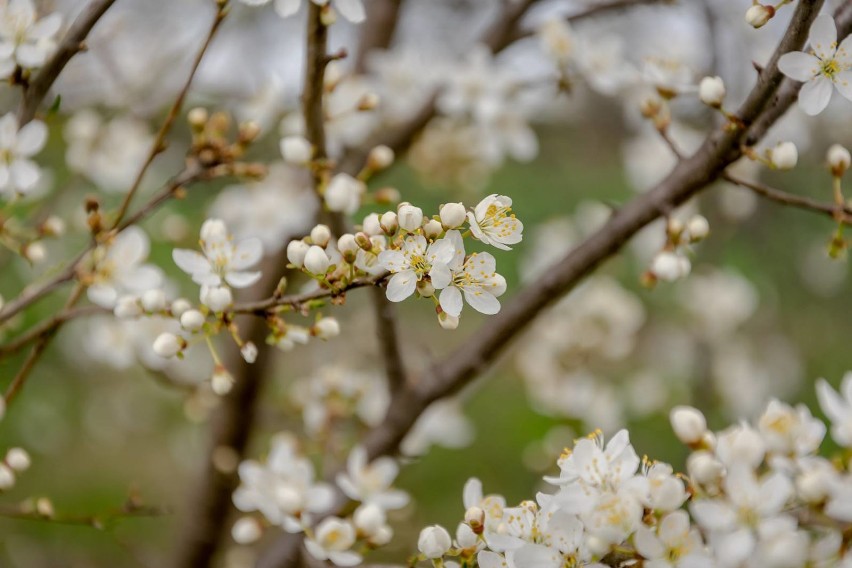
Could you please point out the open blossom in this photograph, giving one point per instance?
(371, 482)
(120, 268)
(475, 277)
(18, 173)
(838, 408)
(332, 540)
(674, 543)
(415, 261)
(24, 40)
(826, 67)
(352, 10)
(223, 260)
(493, 223)
(283, 489)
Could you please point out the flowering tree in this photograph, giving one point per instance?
(297, 225)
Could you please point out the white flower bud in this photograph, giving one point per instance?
(180, 306)
(382, 536)
(214, 230)
(838, 159)
(320, 235)
(475, 517)
(221, 381)
(53, 226)
(192, 320)
(343, 194)
(711, 91)
(369, 518)
(380, 157)
(154, 301)
(813, 485)
(447, 321)
(197, 117)
(127, 307)
(249, 352)
(410, 217)
(389, 222)
(168, 345)
(758, 15)
(371, 225)
(688, 424)
(288, 499)
(217, 298)
(18, 459)
(348, 246)
(35, 252)
(465, 537)
(425, 288)
(44, 507)
(246, 530)
(784, 156)
(669, 266)
(432, 229)
(453, 215)
(704, 468)
(296, 150)
(296, 251)
(434, 541)
(369, 101)
(326, 328)
(7, 477)
(317, 261)
(698, 228)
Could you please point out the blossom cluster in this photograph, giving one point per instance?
(752, 495)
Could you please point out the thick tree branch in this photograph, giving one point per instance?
(378, 30)
(71, 44)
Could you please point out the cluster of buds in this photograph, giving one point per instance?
(17, 460)
(672, 262)
(213, 147)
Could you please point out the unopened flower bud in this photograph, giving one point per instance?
(296, 251)
(347, 246)
(326, 328)
(410, 217)
(688, 424)
(217, 298)
(425, 288)
(179, 306)
(328, 16)
(320, 235)
(221, 381)
(53, 226)
(475, 517)
(7, 477)
(466, 536)
(432, 229)
(784, 156)
(167, 345)
(380, 157)
(386, 196)
(650, 106)
(447, 321)
(389, 222)
(369, 518)
(249, 352)
(127, 307)
(154, 301)
(18, 459)
(453, 215)
(363, 241)
(44, 507)
(704, 468)
(711, 91)
(371, 224)
(758, 15)
(35, 252)
(669, 266)
(197, 118)
(192, 320)
(317, 261)
(368, 101)
(838, 159)
(434, 541)
(698, 228)
(813, 485)
(246, 530)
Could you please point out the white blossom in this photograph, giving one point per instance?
(223, 260)
(370, 482)
(415, 261)
(474, 277)
(838, 408)
(332, 540)
(493, 222)
(25, 40)
(19, 175)
(120, 269)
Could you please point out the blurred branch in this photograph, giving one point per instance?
(232, 424)
(71, 44)
(843, 215)
(99, 521)
(48, 326)
(378, 30)
(160, 140)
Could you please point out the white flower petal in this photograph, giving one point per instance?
(352, 10)
(798, 65)
(242, 279)
(191, 261)
(401, 285)
(823, 36)
(451, 301)
(31, 139)
(815, 94)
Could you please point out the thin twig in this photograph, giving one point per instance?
(71, 45)
(793, 200)
(160, 140)
(48, 326)
(99, 521)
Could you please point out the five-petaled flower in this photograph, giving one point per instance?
(414, 261)
(493, 223)
(475, 277)
(18, 174)
(223, 259)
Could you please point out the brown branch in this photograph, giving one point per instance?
(48, 326)
(71, 44)
(232, 424)
(378, 30)
(160, 140)
(792, 200)
(268, 305)
(98, 521)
